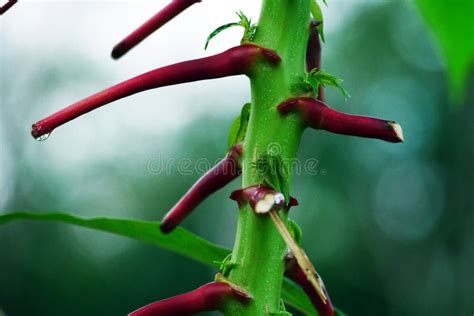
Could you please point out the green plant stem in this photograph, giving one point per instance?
(259, 249)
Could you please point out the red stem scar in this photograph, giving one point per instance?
(208, 297)
(216, 178)
(318, 115)
(235, 61)
(154, 23)
(294, 272)
(313, 53)
(255, 194)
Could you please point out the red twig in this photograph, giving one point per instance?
(154, 23)
(313, 50)
(216, 178)
(205, 298)
(313, 53)
(7, 6)
(235, 61)
(318, 115)
(294, 272)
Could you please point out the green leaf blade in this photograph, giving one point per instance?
(233, 133)
(249, 28)
(317, 14)
(318, 77)
(179, 241)
(294, 296)
(451, 25)
(238, 129)
(218, 30)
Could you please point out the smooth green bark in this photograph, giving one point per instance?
(259, 250)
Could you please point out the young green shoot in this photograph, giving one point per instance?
(274, 173)
(317, 77)
(239, 127)
(245, 22)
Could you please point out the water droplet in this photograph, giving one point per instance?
(42, 138)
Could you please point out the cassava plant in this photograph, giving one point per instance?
(281, 55)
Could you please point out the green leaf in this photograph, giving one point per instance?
(250, 33)
(274, 173)
(250, 28)
(179, 241)
(318, 16)
(217, 31)
(284, 175)
(239, 127)
(294, 296)
(338, 312)
(318, 77)
(295, 231)
(245, 22)
(451, 23)
(225, 265)
(272, 177)
(233, 132)
(314, 83)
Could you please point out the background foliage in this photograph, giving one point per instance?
(388, 226)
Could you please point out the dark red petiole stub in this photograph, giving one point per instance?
(154, 23)
(294, 272)
(313, 53)
(235, 61)
(262, 199)
(7, 6)
(313, 50)
(216, 178)
(318, 115)
(208, 297)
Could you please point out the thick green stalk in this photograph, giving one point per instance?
(259, 250)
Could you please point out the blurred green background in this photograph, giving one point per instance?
(389, 226)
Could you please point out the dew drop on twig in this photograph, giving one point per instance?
(43, 137)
